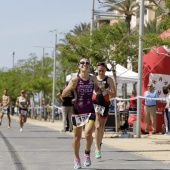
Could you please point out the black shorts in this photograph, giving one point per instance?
(92, 116)
(8, 110)
(107, 108)
(106, 112)
(25, 109)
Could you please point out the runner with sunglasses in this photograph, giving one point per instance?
(84, 114)
(102, 104)
(22, 102)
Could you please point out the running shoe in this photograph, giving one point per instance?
(98, 154)
(9, 126)
(87, 161)
(21, 130)
(0, 123)
(77, 164)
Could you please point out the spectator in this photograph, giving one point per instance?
(15, 110)
(121, 106)
(48, 111)
(150, 109)
(133, 103)
(67, 109)
(166, 119)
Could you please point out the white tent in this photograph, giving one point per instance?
(123, 75)
(68, 77)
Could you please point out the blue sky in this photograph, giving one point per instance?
(26, 23)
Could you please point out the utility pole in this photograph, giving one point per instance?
(92, 17)
(13, 54)
(13, 58)
(140, 54)
(54, 78)
(42, 92)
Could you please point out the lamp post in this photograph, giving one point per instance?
(43, 48)
(92, 17)
(54, 78)
(13, 58)
(140, 54)
(13, 54)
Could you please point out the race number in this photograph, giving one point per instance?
(99, 109)
(81, 120)
(24, 112)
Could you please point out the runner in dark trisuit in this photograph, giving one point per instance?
(102, 104)
(84, 113)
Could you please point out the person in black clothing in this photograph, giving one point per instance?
(101, 102)
(67, 109)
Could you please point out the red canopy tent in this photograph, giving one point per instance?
(156, 70)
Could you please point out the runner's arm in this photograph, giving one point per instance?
(71, 86)
(112, 91)
(28, 102)
(8, 101)
(96, 87)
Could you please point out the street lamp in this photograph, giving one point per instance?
(43, 55)
(43, 47)
(54, 78)
(140, 54)
(13, 58)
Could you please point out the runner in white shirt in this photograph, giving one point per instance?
(22, 102)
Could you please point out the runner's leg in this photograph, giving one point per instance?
(88, 135)
(97, 132)
(20, 120)
(102, 126)
(1, 117)
(9, 120)
(76, 141)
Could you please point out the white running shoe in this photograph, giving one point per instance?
(77, 164)
(87, 161)
(21, 130)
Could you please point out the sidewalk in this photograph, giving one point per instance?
(155, 147)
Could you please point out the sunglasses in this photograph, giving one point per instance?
(101, 64)
(149, 86)
(101, 70)
(84, 62)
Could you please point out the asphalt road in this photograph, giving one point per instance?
(41, 148)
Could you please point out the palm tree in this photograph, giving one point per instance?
(151, 27)
(80, 29)
(126, 7)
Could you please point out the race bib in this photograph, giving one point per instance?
(99, 109)
(24, 112)
(81, 120)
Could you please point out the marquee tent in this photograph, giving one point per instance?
(123, 75)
